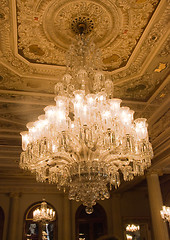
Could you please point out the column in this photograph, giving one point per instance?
(13, 216)
(66, 219)
(155, 198)
(116, 216)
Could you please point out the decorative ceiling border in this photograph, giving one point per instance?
(155, 30)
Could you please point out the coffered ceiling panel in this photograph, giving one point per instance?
(46, 28)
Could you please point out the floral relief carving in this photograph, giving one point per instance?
(140, 88)
(150, 43)
(165, 50)
(4, 11)
(6, 53)
(36, 17)
(136, 89)
(9, 80)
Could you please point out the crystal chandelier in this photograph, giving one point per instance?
(132, 228)
(43, 214)
(86, 142)
(165, 213)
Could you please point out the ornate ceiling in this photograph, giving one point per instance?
(45, 29)
(133, 36)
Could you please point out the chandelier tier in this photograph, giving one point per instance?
(43, 214)
(132, 228)
(86, 141)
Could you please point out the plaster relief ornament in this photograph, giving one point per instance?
(141, 87)
(47, 28)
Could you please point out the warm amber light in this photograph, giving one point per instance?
(86, 141)
(165, 213)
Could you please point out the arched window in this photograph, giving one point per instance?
(2, 218)
(33, 230)
(91, 226)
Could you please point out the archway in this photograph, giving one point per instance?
(33, 230)
(2, 219)
(91, 226)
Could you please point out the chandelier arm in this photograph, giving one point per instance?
(85, 153)
(104, 155)
(91, 156)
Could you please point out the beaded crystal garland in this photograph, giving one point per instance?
(86, 141)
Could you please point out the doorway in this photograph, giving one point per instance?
(91, 226)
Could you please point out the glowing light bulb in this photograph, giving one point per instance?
(79, 95)
(25, 139)
(91, 98)
(141, 128)
(101, 97)
(114, 104)
(106, 114)
(50, 111)
(60, 114)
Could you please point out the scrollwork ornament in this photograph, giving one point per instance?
(139, 88)
(157, 31)
(9, 79)
(4, 24)
(165, 51)
(4, 13)
(114, 55)
(44, 29)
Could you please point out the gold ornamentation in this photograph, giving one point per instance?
(161, 67)
(50, 28)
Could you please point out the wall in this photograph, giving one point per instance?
(135, 204)
(28, 199)
(4, 203)
(25, 201)
(132, 204)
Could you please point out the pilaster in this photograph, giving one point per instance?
(155, 199)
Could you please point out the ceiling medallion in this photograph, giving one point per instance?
(86, 142)
(82, 24)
